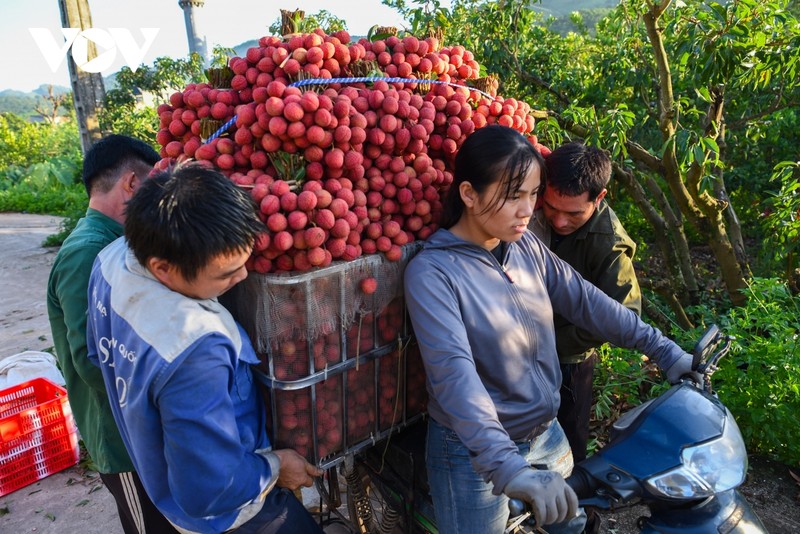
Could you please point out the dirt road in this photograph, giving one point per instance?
(70, 501)
(75, 501)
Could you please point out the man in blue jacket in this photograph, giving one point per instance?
(177, 365)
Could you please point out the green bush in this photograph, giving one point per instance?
(40, 169)
(759, 380)
(781, 222)
(63, 201)
(23, 144)
(69, 202)
(623, 379)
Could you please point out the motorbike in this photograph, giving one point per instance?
(681, 454)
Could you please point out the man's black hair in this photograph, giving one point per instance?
(110, 156)
(188, 216)
(574, 169)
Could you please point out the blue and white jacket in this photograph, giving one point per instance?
(178, 375)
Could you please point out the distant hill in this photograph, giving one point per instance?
(24, 104)
(42, 90)
(241, 49)
(13, 93)
(591, 10)
(559, 8)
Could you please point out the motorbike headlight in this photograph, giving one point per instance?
(708, 468)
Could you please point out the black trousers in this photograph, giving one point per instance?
(576, 404)
(137, 513)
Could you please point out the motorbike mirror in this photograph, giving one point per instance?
(705, 345)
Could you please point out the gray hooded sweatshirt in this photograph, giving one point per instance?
(485, 330)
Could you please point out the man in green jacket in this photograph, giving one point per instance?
(112, 170)
(580, 228)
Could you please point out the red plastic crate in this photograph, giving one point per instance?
(38, 436)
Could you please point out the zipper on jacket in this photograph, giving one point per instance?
(502, 262)
(531, 330)
(505, 272)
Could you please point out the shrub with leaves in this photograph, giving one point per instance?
(759, 380)
(782, 220)
(40, 168)
(623, 379)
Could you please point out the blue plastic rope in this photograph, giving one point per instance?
(222, 129)
(318, 81)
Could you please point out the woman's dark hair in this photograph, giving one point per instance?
(188, 216)
(491, 154)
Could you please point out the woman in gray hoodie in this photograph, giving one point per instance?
(481, 296)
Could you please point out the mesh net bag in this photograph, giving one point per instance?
(288, 316)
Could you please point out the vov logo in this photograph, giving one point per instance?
(107, 42)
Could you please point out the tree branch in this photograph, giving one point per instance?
(536, 80)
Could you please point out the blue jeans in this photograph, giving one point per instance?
(464, 503)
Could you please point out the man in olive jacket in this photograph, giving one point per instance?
(112, 170)
(579, 227)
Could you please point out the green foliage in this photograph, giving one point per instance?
(742, 54)
(309, 22)
(759, 381)
(622, 380)
(40, 193)
(131, 107)
(782, 221)
(40, 167)
(23, 105)
(44, 199)
(23, 144)
(220, 56)
(423, 16)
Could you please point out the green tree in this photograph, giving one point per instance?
(660, 86)
(40, 168)
(125, 112)
(23, 144)
(298, 22)
(782, 220)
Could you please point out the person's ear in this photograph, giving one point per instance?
(162, 269)
(468, 194)
(600, 197)
(129, 182)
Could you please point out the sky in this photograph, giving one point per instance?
(24, 65)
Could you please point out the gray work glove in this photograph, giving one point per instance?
(683, 367)
(551, 499)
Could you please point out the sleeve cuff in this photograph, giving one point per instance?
(507, 472)
(274, 468)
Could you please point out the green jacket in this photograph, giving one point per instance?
(67, 304)
(602, 252)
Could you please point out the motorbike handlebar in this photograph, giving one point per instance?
(581, 483)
